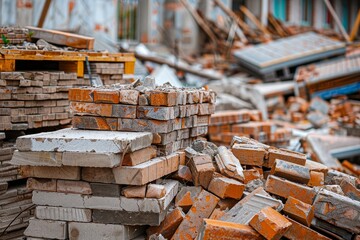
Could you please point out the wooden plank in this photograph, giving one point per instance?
(337, 20)
(44, 13)
(242, 25)
(63, 38)
(7, 65)
(355, 28)
(257, 23)
(199, 21)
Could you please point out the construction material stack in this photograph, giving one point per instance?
(175, 116)
(106, 178)
(224, 125)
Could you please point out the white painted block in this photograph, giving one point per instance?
(97, 231)
(74, 140)
(63, 214)
(106, 160)
(46, 229)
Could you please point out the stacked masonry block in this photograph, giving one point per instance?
(225, 125)
(15, 199)
(34, 99)
(14, 35)
(176, 117)
(110, 73)
(81, 190)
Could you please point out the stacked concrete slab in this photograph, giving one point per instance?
(82, 191)
(175, 116)
(224, 125)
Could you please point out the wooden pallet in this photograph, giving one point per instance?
(68, 61)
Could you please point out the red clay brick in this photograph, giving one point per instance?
(215, 229)
(285, 189)
(106, 96)
(270, 224)
(169, 225)
(299, 211)
(291, 171)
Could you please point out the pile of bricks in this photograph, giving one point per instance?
(175, 116)
(34, 99)
(15, 199)
(224, 125)
(95, 184)
(13, 35)
(106, 184)
(340, 112)
(110, 73)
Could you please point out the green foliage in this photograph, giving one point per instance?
(5, 40)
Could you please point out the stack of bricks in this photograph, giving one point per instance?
(225, 125)
(34, 99)
(13, 35)
(15, 199)
(176, 117)
(110, 73)
(95, 184)
(339, 113)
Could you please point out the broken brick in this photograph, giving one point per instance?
(202, 169)
(285, 155)
(299, 231)
(249, 154)
(224, 187)
(215, 229)
(299, 211)
(203, 206)
(270, 224)
(316, 179)
(169, 225)
(284, 188)
(291, 171)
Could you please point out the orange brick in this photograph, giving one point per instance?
(351, 167)
(139, 156)
(158, 98)
(186, 197)
(183, 174)
(81, 94)
(350, 190)
(251, 174)
(217, 214)
(224, 187)
(316, 179)
(299, 211)
(249, 154)
(202, 208)
(270, 224)
(202, 169)
(104, 110)
(316, 166)
(298, 231)
(95, 123)
(220, 230)
(106, 96)
(291, 171)
(169, 225)
(285, 155)
(285, 189)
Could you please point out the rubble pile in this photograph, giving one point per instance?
(105, 184)
(13, 35)
(338, 113)
(224, 125)
(175, 116)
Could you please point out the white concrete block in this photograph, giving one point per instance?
(63, 214)
(106, 160)
(97, 231)
(52, 159)
(46, 229)
(74, 140)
